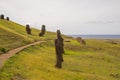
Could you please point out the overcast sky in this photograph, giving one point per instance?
(70, 16)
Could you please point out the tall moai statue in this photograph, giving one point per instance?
(1, 16)
(28, 30)
(59, 50)
(7, 18)
(61, 40)
(43, 30)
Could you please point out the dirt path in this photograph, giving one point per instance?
(10, 53)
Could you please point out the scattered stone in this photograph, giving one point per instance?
(83, 42)
(113, 42)
(115, 75)
(28, 30)
(79, 39)
(42, 33)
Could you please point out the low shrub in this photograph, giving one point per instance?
(3, 50)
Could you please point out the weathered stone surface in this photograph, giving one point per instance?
(59, 37)
(59, 57)
(28, 30)
(79, 39)
(43, 30)
(59, 50)
(83, 42)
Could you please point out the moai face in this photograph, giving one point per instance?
(27, 26)
(43, 26)
(58, 32)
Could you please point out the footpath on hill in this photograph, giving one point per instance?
(10, 53)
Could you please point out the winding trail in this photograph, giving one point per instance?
(10, 53)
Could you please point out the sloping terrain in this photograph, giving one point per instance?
(7, 55)
(13, 35)
(81, 62)
(97, 60)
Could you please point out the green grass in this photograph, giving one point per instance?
(81, 62)
(13, 35)
(97, 60)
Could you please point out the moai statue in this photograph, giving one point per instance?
(61, 40)
(2, 16)
(28, 30)
(59, 50)
(7, 18)
(42, 33)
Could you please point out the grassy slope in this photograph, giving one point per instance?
(13, 35)
(94, 61)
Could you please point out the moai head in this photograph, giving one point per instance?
(58, 32)
(28, 30)
(7, 18)
(59, 35)
(27, 26)
(42, 31)
(43, 26)
(2, 16)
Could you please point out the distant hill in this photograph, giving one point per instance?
(96, 36)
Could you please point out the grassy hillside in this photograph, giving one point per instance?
(98, 60)
(13, 35)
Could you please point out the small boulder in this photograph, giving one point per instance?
(79, 39)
